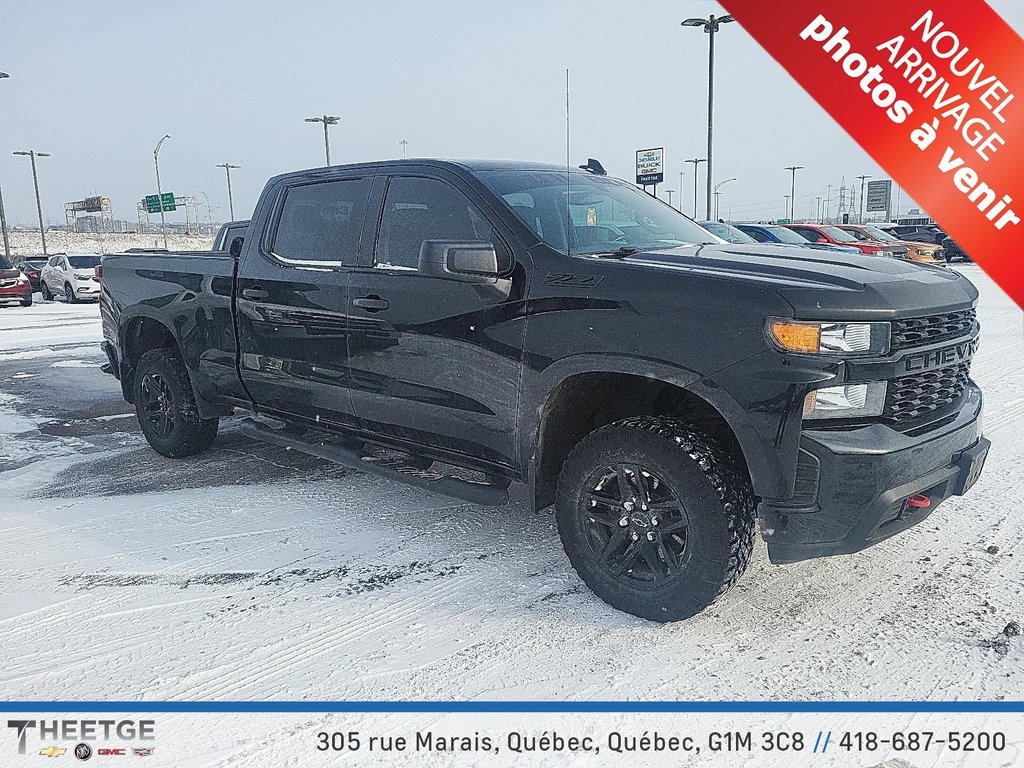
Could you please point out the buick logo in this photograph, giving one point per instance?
(83, 751)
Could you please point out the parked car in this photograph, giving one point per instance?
(72, 275)
(728, 232)
(915, 233)
(31, 266)
(14, 286)
(776, 233)
(954, 251)
(513, 331)
(229, 232)
(826, 233)
(923, 253)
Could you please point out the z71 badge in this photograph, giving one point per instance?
(959, 353)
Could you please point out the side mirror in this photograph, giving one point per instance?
(236, 247)
(473, 261)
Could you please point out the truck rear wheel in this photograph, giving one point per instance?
(655, 517)
(166, 406)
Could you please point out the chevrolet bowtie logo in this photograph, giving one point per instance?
(52, 751)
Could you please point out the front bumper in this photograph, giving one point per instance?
(16, 292)
(853, 485)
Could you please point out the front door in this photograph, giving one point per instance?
(292, 301)
(435, 360)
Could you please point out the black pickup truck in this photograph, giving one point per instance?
(512, 332)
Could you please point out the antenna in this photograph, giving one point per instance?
(568, 213)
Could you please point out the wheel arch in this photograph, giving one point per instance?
(585, 393)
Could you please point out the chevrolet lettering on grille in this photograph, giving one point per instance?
(957, 353)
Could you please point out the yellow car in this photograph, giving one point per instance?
(923, 253)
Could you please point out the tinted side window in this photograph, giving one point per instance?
(418, 209)
(321, 222)
(810, 234)
(758, 235)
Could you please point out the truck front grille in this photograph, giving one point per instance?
(912, 396)
(918, 331)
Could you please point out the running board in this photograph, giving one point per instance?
(392, 469)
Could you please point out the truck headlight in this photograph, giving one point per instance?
(825, 338)
(849, 401)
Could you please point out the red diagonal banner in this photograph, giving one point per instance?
(933, 91)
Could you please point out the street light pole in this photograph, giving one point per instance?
(326, 120)
(696, 163)
(787, 204)
(159, 191)
(669, 192)
(718, 195)
(404, 144)
(792, 192)
(227, 169)
(3, 227)
(862, 180)
(32, 155)
(680, 192)
(710, 26)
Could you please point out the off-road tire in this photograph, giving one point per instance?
(716, 501)
(45, 291)
(163, 395)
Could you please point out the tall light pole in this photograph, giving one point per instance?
(862, 180)
(669, 192)
(696, 164)
(326, 120)
(32, 155)
(819, 199)
(710, 26)
(718, 194)
(680, 191)
(159, 191)
(3, 216)
(404, 143)
(227, 169)
(787, 204)
(792, 192)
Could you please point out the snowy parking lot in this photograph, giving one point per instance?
(251, 572)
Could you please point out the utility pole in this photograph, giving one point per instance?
(696, 163)
(227, 169)
(710, 26)
(326, 120)
(819, 200)
(680, 191)
(828, 205)
(718, 194)
(863, 179)
(159, 191)
(404, 144)
(792, 192)
(32, 155)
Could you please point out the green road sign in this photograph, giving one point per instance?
(152, 204)
(784, 221)
(168, 201)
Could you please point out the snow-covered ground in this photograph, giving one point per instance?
(26, 242)
(254, 573)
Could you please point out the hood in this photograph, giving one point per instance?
(7, 274)
(822, 284)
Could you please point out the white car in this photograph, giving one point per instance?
(71, 275)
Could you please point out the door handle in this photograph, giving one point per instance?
(372, 303)
(255, 294)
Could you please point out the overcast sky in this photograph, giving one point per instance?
(97, 85)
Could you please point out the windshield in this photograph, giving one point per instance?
(880, 234)
(784, 235)
(5, 264)
(727, 232)
(83, 261)
(607, 215)
(839, 235)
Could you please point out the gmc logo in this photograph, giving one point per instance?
(108, 751)
(957, 354)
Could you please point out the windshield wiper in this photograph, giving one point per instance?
(621, 253)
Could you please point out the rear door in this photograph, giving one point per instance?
(435, 360)
(292, 297)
